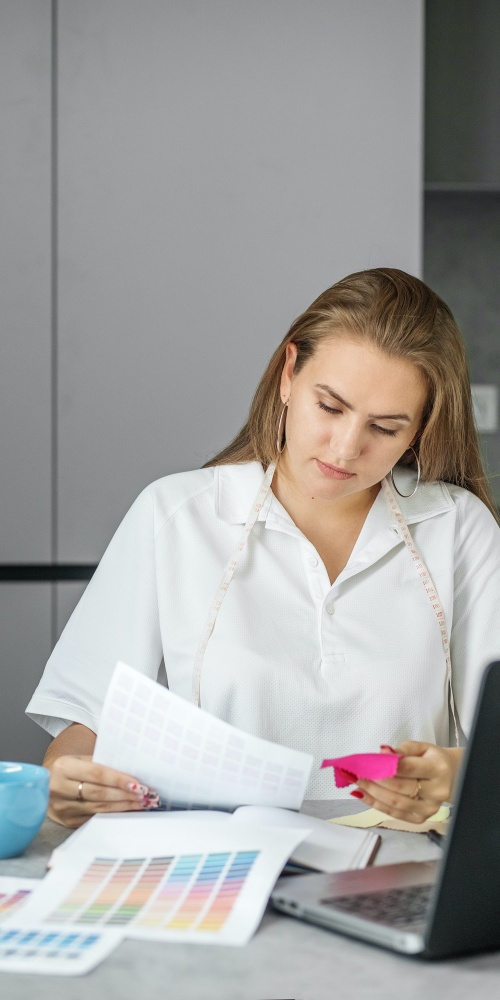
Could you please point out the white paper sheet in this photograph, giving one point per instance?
(164, 881)
(190, 757)
(14, 892)
(89, 835)
(52, 951)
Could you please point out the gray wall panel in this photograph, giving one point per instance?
(25, 355)
(24, 649)
(220, 164)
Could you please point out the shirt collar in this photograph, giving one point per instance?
(236, 487)
(429, 499)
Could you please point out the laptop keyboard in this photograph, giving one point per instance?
(392, 906)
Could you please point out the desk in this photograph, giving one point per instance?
(285, 959)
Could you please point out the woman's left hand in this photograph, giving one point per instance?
(425, 779)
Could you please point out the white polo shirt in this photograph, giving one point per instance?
(331, 670)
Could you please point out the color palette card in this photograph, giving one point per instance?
(190, 757)
(166, 881)
(54, 952)
(14, 892)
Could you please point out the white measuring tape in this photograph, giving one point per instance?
(429, 587)
(227, 576)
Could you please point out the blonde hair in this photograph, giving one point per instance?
(401, 316)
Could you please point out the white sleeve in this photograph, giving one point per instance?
(475, 634)
(116, 619)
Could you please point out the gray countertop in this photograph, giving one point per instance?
(286, 959)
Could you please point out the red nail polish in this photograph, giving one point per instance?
(134, 786)
(151, 799)
(357, 795)
(385, 746)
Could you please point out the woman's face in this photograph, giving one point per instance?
(352, 413)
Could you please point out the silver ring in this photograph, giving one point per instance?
(80, 796)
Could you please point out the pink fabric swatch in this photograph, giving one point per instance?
(371, 766)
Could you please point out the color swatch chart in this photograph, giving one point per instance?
(189, 756)
(10, 901)
(53, 952)
(190, 892)
(164, 879)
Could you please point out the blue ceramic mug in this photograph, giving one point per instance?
(24, 797)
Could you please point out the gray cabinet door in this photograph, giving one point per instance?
(219, 165)
(25, 281)
(25, 614)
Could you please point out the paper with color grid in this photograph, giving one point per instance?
(191, 758)
(14, 892)
(162, 881)
(52, 951)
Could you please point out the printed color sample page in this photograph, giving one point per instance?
(190, 757)
(53, 952)
(165, 882)
(14, 892)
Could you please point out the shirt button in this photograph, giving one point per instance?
(330, 608)
(313, 561)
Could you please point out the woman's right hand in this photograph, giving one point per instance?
(79, 789)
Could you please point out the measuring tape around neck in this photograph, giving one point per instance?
(429, 587)
(227, 576)
(403, 530)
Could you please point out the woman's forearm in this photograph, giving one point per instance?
(75, 740)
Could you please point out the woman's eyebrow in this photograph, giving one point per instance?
(373, 416)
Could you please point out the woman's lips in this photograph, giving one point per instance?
(333, 472)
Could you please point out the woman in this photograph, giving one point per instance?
(366, 577)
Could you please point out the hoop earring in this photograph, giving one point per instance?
(407, 496)
(280, 444)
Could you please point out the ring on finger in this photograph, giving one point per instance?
(80, 793)
(416, 793)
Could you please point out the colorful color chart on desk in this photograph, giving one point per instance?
(185, 893)
(54, 952)
(8, 902)
(204, 882)
(13, 894)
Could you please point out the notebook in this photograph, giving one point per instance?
(431, 909)
(326, 848)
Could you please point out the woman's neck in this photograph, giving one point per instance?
(331, 527)
(317, 511)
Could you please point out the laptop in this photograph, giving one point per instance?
(432, 909)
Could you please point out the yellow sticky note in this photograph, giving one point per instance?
(362, 820)
(373, 817)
